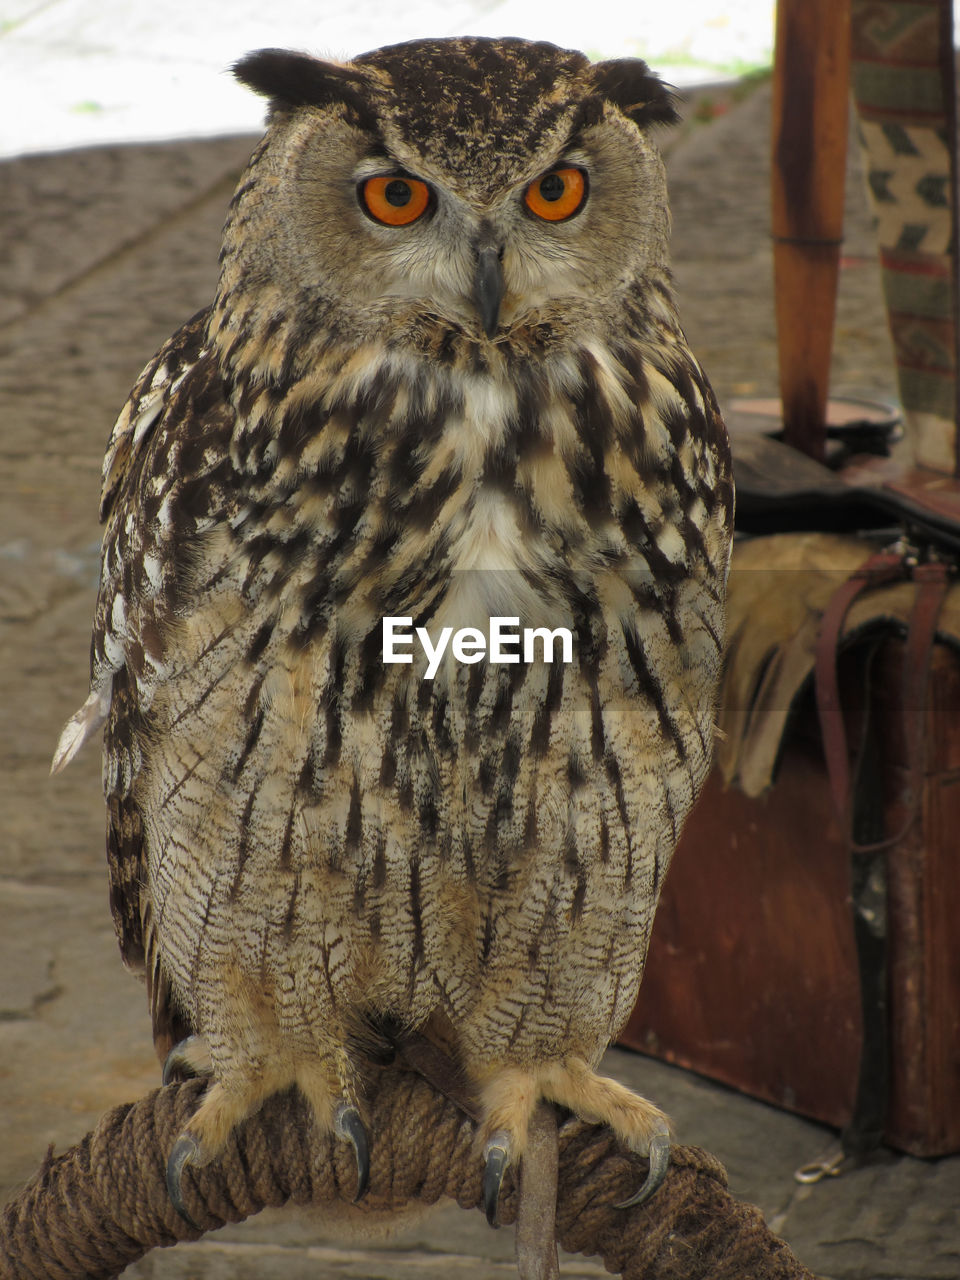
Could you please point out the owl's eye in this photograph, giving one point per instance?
(394, 199)
(557, 195)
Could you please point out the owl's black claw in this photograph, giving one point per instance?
(348, 1125)
(659, 1156)
(183, 1152)
(497, 1158)
(180, 1061)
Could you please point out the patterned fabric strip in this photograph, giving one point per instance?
(904, 82)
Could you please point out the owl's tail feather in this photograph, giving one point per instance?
(101, 1205)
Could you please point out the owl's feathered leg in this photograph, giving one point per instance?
(508, 1098)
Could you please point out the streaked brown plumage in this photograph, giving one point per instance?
(304, 840)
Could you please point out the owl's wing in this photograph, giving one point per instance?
(176, 409)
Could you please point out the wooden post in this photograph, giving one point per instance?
(810, 104)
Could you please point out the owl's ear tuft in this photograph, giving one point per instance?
(298, 80)
(630, 85)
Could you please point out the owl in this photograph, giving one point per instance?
(442, 398)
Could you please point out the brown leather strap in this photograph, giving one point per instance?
(865, 1128)
(885, 566)
(932, 580)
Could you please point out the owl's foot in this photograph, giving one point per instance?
(190, 1057)
(508, 1099)
(226, 1104)
(187, 1150)
(511, 1093)
(348, 1125)
(658, 1153)
(332, 1097)
(207, 1131)
(639, 1125)
(497, 1158)
(183, 1152)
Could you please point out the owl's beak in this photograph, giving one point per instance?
(488, 288)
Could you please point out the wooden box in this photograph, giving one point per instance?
(752, 975)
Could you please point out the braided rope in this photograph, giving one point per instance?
(101, 1205)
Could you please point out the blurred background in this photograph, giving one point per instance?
(81, 72)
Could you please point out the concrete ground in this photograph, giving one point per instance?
(104, 252)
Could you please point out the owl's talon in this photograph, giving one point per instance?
(659, 1156)
(180, 1060)
(497, 1154)
(183, 1152)
(349, 1126)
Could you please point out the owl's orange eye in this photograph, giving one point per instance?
(395, 200)
(559, 194)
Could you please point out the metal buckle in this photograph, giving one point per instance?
(817, 1170)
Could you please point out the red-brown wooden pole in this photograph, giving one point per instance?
(810, 103)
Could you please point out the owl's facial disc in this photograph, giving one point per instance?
(484, 255)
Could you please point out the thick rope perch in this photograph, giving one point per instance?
(98, 1207)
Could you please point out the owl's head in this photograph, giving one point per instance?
(480, 184)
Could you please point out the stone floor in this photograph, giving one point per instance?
(102, 254)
